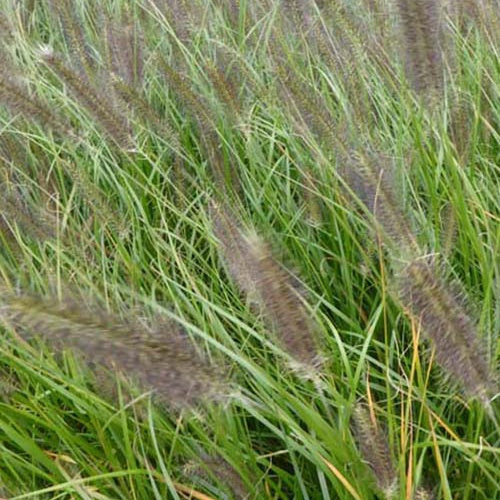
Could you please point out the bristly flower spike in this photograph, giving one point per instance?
(17, 98)
(100, 107)
(158, 356)
(251, 264)
(374, 448)
(443, 318)
(232, 247)
(370, 175)
(225, 473)
(422, 33)
(31, 220)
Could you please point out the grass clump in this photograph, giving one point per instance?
(149, 141)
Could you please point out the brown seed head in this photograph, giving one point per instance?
(444, 319)
(160, 357)
(374, 448)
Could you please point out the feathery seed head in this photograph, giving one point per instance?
(424, 494)
(422, 32)
(16, 96)
(159, 357)
(99, 106)
(232, 247)
(124, 49)
(443, 317)
(370, 175)
(283, 306)
(74, 35)
(374, 448)
(216, 466)
(226, 90)
(33, 221)
(250, 263)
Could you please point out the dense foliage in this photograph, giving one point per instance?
(250, 249)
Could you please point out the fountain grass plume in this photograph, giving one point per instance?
(142, 110)
(232, 247)
(33, 221)
(214, 465)
(225, 177)
(232, 10)
(16, 96)
(179, 84)
(308, 109)
(159, 356)
(250, 263)
(182, 15)
(283, 307)
(124, 49)
(6, 29)
(95, 198)
(371, 176)
(424, 494)
(74, 35)
(373, 445)
(460, 127)
(300, 14)
(177, 81)
(226, 91)
(440, 310)
(422, 31)
(99, 106)
(480, 14)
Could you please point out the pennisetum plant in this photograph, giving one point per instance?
(17, 97)
(424, 494)
(226, 90)
(433, 302)
(204, 119)
(32, 220)
(232, 246)
(215, 465)
(371, 176)
(74, 35)
(124, 49)
(419, 284)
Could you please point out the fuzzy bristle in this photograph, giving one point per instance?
(100, 107)
(422, 33)
(374, 448)
(74, 34)
(251, 264)
(124, 50)
(371, 176)
(282, 305)
(15, 95)
(232, 247)
(424, 494)
(441, 313)
(32, 221)
(159, 356)
(224, 472)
